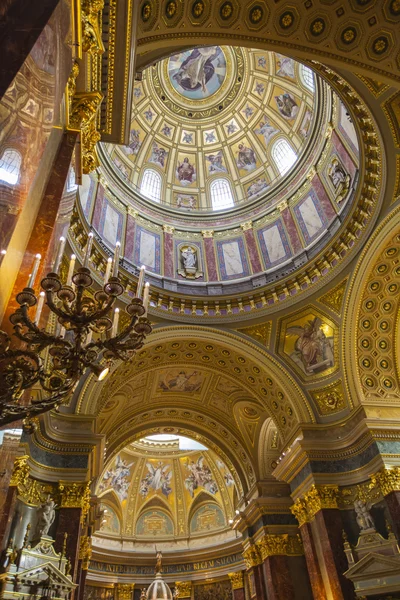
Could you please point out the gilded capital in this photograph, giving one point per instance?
(31, 491)
(237, 580)
(299, 510)
(324, 496)
(273, 545)
(168, 228)
(183, 589)
(125, 591)
(252, 557)
(85, 551)
(207, 233)
(387, 480)
(247, 225)
(75, 495)
(91, 32)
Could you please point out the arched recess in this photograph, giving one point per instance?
(202, 501)
(232, 368)
(269, 448)
(370, 332)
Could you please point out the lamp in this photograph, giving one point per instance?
(71, 351)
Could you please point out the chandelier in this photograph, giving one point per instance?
(86, 338)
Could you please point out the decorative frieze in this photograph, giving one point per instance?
(183, 589)
(387, 480)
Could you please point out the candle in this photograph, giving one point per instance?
(71, 269)
(140, 281)
(39, 307)
(108, 270)
(35, 269)
(88, 250)
(116, 259)
(146, 297)
(115, 323)
(61, 246)
(62, 332)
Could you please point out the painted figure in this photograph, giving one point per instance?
(158, 155)
(200, 476)
(266, 129)
(313, 350)
(185, 172)
(157, 478)
(246, 158)
(287, 105)
(257, 187)
(198, 68)
(285, 66)
(215, 160)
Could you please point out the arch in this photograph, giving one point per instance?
(283, 155)
(156, 521)
(214, 522)
(269, 448)
(221, 194)
(150, 186)
(374, 305)
(10, 166)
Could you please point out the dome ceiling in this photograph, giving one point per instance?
(140, 488)
(212, 113)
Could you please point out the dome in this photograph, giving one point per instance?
(167, 490)
(217, 127)
(159, 590)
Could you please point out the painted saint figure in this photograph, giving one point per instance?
(197, 69)
(185, 172)
(266, 129)
(313, 350)
(246, 158)
(287, 105)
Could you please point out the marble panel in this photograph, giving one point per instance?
(232, 259)
(147, 249)
(347, 129)
(274, 244)
(129, 246)
(311, 217)
(111, 224)
(178, 258)
(86, 191)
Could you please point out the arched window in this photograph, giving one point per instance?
(151, 185)
(221, 194)
(307, 77)
(283, 155)
(10, 165)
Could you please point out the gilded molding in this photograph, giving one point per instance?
(124, 591)
(91, 31)
(334, 298)
(84, 108)
(330, 399)
(183, 589)
(387, 480)
(252, 557)
(31, 491)
(85, 554)
(237, 580)
(280, 544)
(75, 495)
(316, 499)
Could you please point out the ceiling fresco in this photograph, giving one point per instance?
(217, 112)
(155, 491)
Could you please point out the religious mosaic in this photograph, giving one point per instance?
(199, 476)
(198, 73)
(158, 479)
(176, 380)
(206, 518)
(154, 523)
(117, 477)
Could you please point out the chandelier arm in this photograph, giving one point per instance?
(100, 313)
(54, 308)
(15, 412)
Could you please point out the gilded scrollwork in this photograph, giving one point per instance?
(83, 116)
(85, 552)
(387, 480)
(183, 589)
(91, 29)
(237, 580)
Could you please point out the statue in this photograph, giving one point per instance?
(143, 595)
(158, 562)
(189, 258)
(363, 516)
(46, 515)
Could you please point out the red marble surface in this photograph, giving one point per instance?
(45, 221)
(98, 207)
(393, 503)
(313, 568)
(210, 259)
(278, 579)
(239, 594)
(293, 234)
(323, 198)
(69, 521)
(329, 527)
(253, 251)
(82, 574)
(343, 154)
(168, 255)
(259, 582)
(6, 515)
(129, 238)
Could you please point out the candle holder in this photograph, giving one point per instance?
(73, 351)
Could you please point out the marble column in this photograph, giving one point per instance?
(45, 220)
(278, 579)
(69, 521)
(252, 247)
(209, 250)
(393, 504)
(388, 481)
(291, 228)
(237, 581)
(22, 21)
(129, 246)
(259, 582)
(310, 553)
(168, 250)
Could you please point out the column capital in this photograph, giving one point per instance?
(237, 580)
(252, 556)
(316, 499)
(183, 589)
(168, 228)
(387, 480)
(283, 205)
(207, 233)
(246, 226)
(75, 495)
(132, 212)
(280, 544)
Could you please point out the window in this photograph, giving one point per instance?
(221, 195)
(283, 155)
(151, 185)
(10, 165)
(307, 77)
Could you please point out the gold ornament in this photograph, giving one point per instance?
(84, 108)
(30, 490)
(75, 495)
(85, 551)
(330, 399)
(387, 480)
(237, 580)
(317, 498)
(91, 31)
(125, 591)
(334, 298)
(252, 557)
(299, 510)
(183, 589)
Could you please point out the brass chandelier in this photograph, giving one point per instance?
(55, 362)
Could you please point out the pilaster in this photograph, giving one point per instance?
(237, 582)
